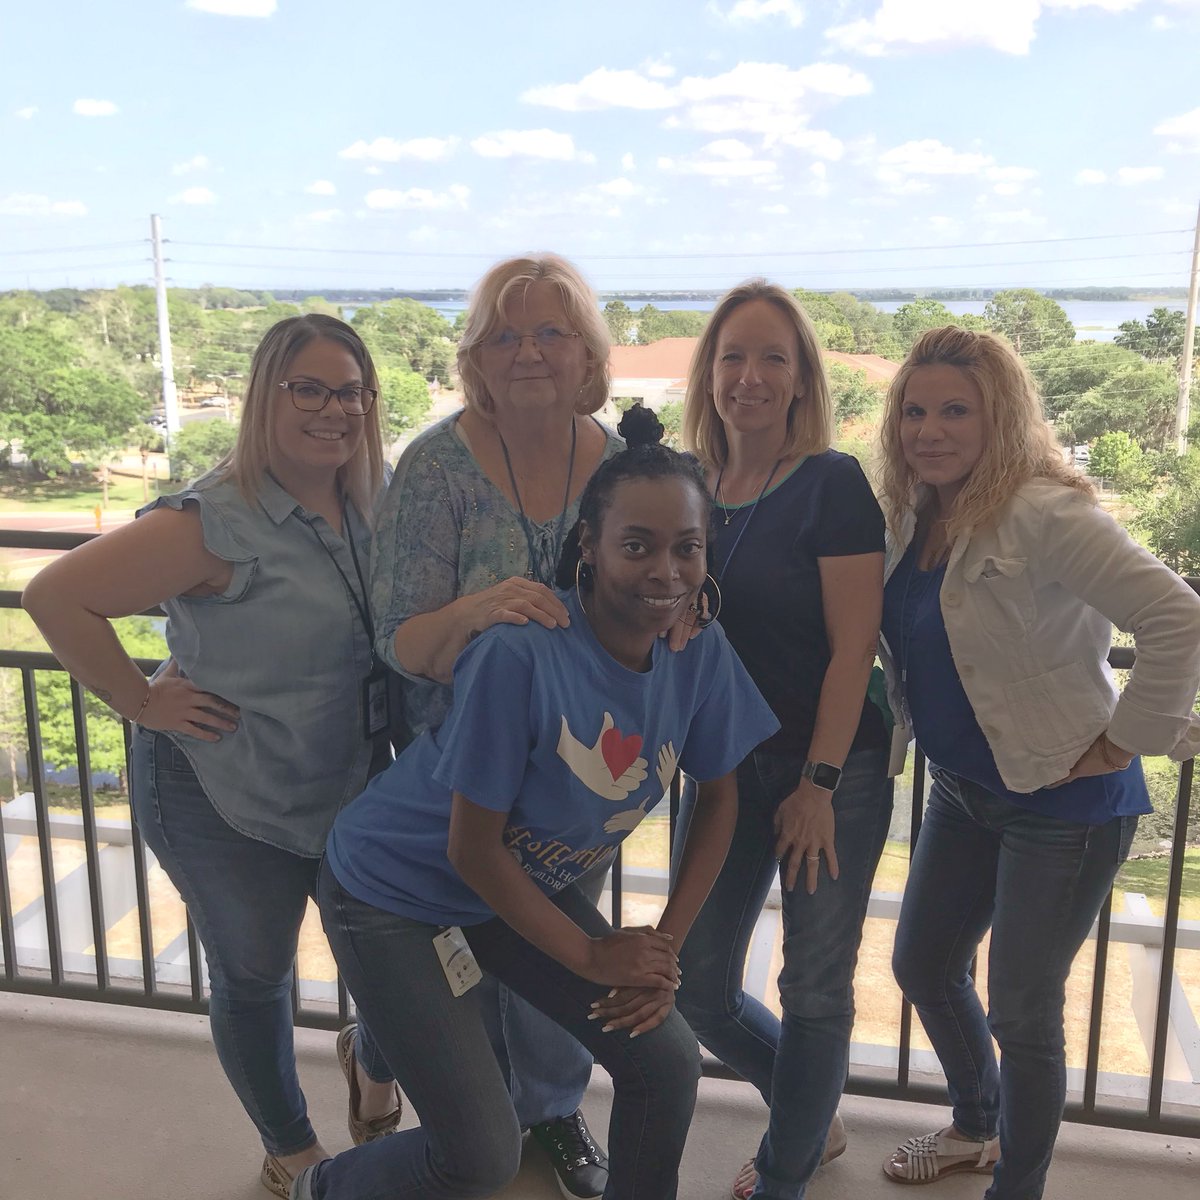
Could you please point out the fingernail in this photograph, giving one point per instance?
(612, 993)
(633, 1035)
(593, 1016)
(608, 1029)
(596, 1003)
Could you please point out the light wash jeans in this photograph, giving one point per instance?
(246, 900)
(1038, 882)
(468, 1143)
(798, 1065)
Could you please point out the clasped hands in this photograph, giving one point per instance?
(645, 968)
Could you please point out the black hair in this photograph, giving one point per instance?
(644, 457)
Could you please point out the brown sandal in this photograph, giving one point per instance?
(362, 1131)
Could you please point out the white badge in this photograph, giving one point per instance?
(462, 971)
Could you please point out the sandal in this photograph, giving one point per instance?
(931, 1156)
(274, 1178)
(370, 1130)
(835, 1145)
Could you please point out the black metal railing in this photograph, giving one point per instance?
(61, 976)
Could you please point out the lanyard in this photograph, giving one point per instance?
(532, 573)
(364, 610)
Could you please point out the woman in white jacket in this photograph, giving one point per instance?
(1004, 580)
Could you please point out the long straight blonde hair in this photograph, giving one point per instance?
(810, 417)
(360, 478)
(1018, 443)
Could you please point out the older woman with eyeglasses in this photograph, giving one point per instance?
(469, 536)
(270, 713)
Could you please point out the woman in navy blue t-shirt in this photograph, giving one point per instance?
(556, 745)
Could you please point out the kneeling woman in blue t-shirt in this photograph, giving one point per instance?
(557, 744)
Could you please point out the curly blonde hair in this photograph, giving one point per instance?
(1018, 443)
(810, 417)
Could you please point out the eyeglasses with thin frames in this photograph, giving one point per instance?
(307, 396)
(547, 339)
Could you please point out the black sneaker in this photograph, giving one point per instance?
(580, 1166)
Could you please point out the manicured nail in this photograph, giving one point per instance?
(612, 993)
(633, 1035)
(608, 1029)
(593, 1016)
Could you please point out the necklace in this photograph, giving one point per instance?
(753, 510)
(538, 568)
(730, 513)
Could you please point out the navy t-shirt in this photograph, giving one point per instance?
(549, 728)
(944, 721)
(765, 560)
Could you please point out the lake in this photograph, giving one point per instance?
(1094, 320)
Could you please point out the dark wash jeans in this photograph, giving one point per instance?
(246, 900)
(1038, 883)
(799, 1065)
(469, 1140)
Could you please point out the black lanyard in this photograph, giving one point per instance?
(360, 601)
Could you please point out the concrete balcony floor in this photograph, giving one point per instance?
(113, 1103)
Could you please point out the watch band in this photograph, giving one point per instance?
(824, 775)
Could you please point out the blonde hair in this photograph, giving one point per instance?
(1018, 443)
(810, 417)
(485, 315)
(361, 478)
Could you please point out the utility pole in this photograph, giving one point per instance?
(1183, 404)
(170, 400)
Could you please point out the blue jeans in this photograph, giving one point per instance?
(799, 1065)
(1038, 883)
(468, 1143)
(246, 899)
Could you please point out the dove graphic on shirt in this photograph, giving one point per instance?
(611, 767)
(631, 818)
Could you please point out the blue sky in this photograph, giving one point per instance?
(868, 143)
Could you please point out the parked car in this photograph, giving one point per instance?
(215, 402)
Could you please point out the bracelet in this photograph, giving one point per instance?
(1104, 745)
(137, 716)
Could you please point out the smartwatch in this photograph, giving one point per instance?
(824, 775)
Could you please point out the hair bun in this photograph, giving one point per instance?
(640, 427)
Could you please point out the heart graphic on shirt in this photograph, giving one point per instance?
(619, 752)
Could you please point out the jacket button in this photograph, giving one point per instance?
(951, 598)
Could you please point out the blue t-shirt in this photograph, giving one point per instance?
(944, 721)
(549, 728)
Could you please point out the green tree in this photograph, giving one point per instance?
(56, 409)
(1029, 320)
(199, 446)
(1064, 374)
(1138, 398)
(911, 320)
(405, 398)
(853, 395)
(618, 316)
(1168, 512)
(834, 331)
(405, 329)
(671, 416)
(1117, 458)
(1160, 338)
(870, 328)
(653, 324)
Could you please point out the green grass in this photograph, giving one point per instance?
(1150, 876)
(80, 493)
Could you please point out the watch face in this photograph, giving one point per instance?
(825, 776)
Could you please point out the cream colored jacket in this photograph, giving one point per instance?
(1029, 605)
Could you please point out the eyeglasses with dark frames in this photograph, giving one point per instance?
(308, 396)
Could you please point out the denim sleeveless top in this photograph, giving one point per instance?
(286, 644)
(445, 530)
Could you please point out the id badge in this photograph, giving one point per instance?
(462, 971)
(375, 702)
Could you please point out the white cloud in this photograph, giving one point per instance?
(28, 111)
(1008, 26)
(321, 187)
(658, 68)
(1184, 129)
(30, 204)
(529, 143)
(323, 216)
(1089, 176)
(195, 195)
(931, 157)
(386, 149)
(1132, 176)
(619, 187)
(94, 108)
(775, 210)
(604, 89)
(722, 161)
(730, 149)
(817, 142)
(235, 8)
(745, 12)
(455, 197)
(198, 162)
(627, 163)
(372, 170)
(751, 80)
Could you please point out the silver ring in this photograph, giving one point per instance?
(812, 857)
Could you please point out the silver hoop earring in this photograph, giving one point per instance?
(704, 619)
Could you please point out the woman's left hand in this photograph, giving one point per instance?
(688, 626)
(804, 828)
(1093, 762)
(638, 1009)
